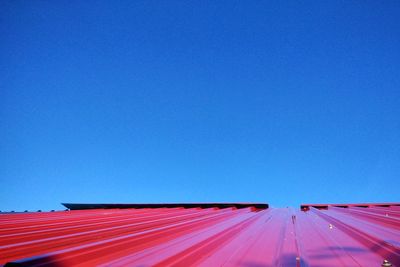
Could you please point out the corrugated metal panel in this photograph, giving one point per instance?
(322, 236)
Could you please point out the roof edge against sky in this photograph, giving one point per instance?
(84, 206)
(306, 207)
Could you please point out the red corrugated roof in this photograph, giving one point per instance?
(210, 236)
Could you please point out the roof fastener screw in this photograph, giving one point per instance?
(386, 263)
(330, 226)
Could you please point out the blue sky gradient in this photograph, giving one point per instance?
(282, 102)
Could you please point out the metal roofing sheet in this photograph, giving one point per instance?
(320, 236)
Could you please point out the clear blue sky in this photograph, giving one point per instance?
(281, 102)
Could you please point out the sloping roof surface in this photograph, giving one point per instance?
(246, 236)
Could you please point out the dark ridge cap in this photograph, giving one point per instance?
(306, 207)
(85, 206)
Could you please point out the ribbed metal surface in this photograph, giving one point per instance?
(352, 236)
